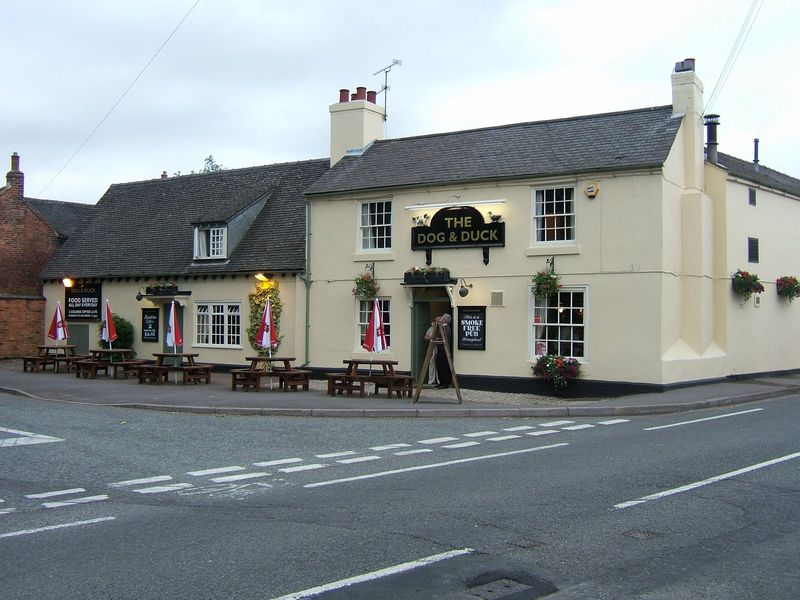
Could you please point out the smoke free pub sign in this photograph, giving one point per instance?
(458, 227)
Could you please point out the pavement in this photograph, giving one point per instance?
(218, 398)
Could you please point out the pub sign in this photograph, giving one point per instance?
(472, 328)
(82, 301)
(458, 227)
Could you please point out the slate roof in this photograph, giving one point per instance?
(759, 174)
(606, 142)
(146, 228)
(66, 218)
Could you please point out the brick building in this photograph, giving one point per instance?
(30, 231)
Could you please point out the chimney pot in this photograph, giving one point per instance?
(755, 150)
(15, 162)
(711, 122)
(361, 93)
(372, 96)
(687, 64)
(344, 95)
(164, 175)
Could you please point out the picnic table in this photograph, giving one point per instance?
(262, 366)
(381, 373)
(119, 360)
(49, 354)
(175, 362)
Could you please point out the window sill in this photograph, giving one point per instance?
(547, 250)
(373, 256)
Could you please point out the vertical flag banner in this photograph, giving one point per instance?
(109, 330)
(266, 336)
(375, 340)
(58, 328)
(173, 338)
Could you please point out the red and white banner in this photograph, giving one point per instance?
(173, 338)
(58, 328)
(375, 340)
(266, 336)
(108, 332)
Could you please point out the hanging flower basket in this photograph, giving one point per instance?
(746, 284)
(558, 370)
(788, 287)
(431, 275)
(366, 286)
(545, 284)
(161, 289)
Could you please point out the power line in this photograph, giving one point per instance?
(744, 32)
(125, 93)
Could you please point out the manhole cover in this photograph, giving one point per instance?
(500, 588)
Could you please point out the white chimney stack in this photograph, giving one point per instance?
(356, 122)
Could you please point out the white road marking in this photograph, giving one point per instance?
(578, 427)
(520, 428)
(358, 459)
(216, 471)
(142, 481)
(5, 511)
(409, 452)
(389, 447)
(337, 454)
(556, 423)
(239, 477)
(440, 440)
(52, 527)
(542, 432)
(373, 575)
(614, 421)
(462, 445)
(74, 501)
(163, 488)
(431, 466)
(697, 484)
(27, 438)
(56, 493)
(503, 438)
(275, 463)
(480, 434)
(302, 468)
(736, 414)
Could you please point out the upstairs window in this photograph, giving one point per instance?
(751, 196)
(752, 250)
(210, 242)
(555, 214)
(376, 225)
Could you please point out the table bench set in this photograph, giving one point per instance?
(288, 377)
(54, 356)
(359, 373)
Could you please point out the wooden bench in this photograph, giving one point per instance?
(149, 373)
(196, 374)
(293, 379)
(394, 384)
(37, 363)
(126, 367)
(89, 368)
(249, 378)
(68, 361)
(342, 382)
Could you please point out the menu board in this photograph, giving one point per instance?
(149, 324)
(472, 328)
(82, 301)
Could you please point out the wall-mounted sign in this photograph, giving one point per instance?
(82, 301)
(458, 227)
(149, 324)
(472, 328)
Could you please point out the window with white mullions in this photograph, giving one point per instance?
(364, 311)
(210, 242)
(555, 214)
(218, 324)
(376, 225)
(559, 324)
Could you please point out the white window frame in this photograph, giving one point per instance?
(374, 226)
(540, 202)
(218, 324)
(210, 242)
(363, 310)
(556, 320)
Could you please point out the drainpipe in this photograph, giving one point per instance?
(306, 277)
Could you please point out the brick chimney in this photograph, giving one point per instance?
(16, 178)
(356, 121)
(687, 99)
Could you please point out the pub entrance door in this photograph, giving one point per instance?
(429, 302)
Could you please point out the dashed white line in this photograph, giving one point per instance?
(519, 428)
(389, 447)
(310, 467)
(56, 493)
(358, 459)
(462, 445)
(336, 454)
(503, 438)
(74, 501)
(480, 434)
(163, 488)
(409, 452)
(735, 414)
(216, 471)
(578, 427)
(142, 481)
(275, 463)
(440, 440)
(52, 527)
(5, 511)
(614, 421)
(240, 477)
(556, 423)
(542, 432)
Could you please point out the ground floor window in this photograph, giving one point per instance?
(559, 324)
(364, 311)
(218, 324)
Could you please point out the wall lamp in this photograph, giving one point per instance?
(68, 282)
(261, 277)
(465, 288)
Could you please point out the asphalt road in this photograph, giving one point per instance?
(99, 502)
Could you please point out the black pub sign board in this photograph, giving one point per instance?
(458, 227)
(82, 301)
(472, 328)
(149, 324)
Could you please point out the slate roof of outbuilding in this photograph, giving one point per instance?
(146, 228)
(759, 174)
(606, 142)
(66, 218)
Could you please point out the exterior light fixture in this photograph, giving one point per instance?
(261, 277)
(463, 291)
(68, 282)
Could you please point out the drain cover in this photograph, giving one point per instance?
(500, 588)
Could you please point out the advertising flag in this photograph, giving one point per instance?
(173, 338)
(375, 340)
(266, 336)
(109, 330)
(58, 328)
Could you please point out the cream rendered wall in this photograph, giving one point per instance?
(122, 296)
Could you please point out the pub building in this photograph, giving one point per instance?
(642, 223)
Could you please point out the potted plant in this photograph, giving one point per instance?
(746, 284)
(161, 288)
(788, 287)
(366, 286)
(545, 284)
(558, 370)
(427, 275)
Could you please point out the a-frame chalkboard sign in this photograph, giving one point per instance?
(437, 341)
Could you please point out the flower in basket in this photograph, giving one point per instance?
(545, 284)
(559, 370)
(788, 287)
(161, 287)
(746, 284)
(366, 285)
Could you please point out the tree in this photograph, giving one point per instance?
(210, 165)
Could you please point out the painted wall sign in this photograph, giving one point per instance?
(82, 301)
(149, 324)
(458, 227)
(472, 328)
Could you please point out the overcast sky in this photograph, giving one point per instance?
(250, 81)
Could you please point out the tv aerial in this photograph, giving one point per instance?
(385, 88)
